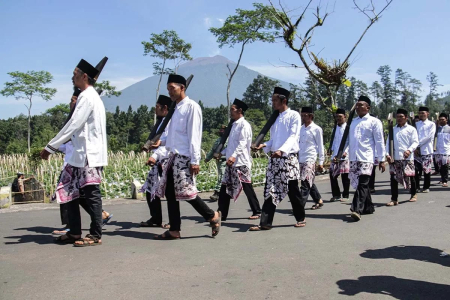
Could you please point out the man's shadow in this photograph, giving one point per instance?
(420, 253)
(398, 288)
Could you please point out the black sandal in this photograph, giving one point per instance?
(166, 236)
(317, 206)
(65, 239)
(215, 225)
(259, 228)
(147, 224)
(166, 226)
(87, 241)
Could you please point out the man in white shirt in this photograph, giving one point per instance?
(426, 131)
(83, 173)
(401, 165)
(237, 175)
(156, 161)
(310, 144)
(283, 171)
(442, 154)
(344, 164)
(183, 141)
(366, 144)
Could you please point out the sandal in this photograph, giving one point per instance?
(259, 228)
(65, 239)
(147, 224)
(89, 240)
(300, 224)
(254, 217)
(166, 226)
(166, 236)
(392, 203)
(413, 198)
(106, 220)
(215, 225)
(317, 206)
(60, 231)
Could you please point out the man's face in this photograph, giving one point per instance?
(277, 104)
(161, 110)
(234, 112)
(362, 108)
(423, 115)
(442, 121)
(340, 119)
(306, 117)
(401, 119)
(78, 78)
(174, 91)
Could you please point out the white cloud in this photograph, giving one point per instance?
(215, 52)
(221, 21)
(285, 73)
(207, 22)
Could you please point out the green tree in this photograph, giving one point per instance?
(166, 46)
(106, 89)
(243, 28)
(259, 94)
(26, 86)
(389, 92)
(433, 86)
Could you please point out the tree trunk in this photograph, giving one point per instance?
(157, 90)
(29, 127)
(232, 75)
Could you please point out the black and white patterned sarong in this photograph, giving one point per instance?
(442, 159)
(151, 183)
(184, 182)
(233, 178)
(358, 168)
(308, 172)
(403, 170)
(279, 172)
(427, 162)
(343, 167)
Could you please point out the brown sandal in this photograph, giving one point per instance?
(166, 236)
(300, 224)
(259, 228)
(254, 217)
(89, 240)
(215, 225)
(392, 203)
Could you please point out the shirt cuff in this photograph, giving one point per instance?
(155, 156)
(320, 162)
(50, 149)
(266, 149)
(195, 162)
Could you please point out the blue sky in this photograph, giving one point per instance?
(53, 35)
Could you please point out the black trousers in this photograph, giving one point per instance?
(173, 205)
(335, 190)
(372, 178)
(64, 210)
(362, 201)
(298, 199)
(314, 193)
(419, 173)
(93, 199)
(155, 209)
(224, 200)
(436, 166)
(444, 173)
(394, 187)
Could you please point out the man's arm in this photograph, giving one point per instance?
(294, 133)
(379, 141)
(194, 131)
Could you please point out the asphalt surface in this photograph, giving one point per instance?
(392, 254)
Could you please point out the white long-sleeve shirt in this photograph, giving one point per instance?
(366, 140)
(67, 149)
(161, 152)
(87, 130)
(311, 143)
(443, 140)
(184, 135)
(285, 133)
(405, 138)
(337, 141)
(426, 131)
(239, 142)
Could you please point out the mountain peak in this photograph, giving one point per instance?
(201, 61)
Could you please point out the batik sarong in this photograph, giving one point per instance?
(427, 162)
(308, 172)
(233, 178)
(73, 179)
(151, 183)
(279, 172)
(184, 181)
(358, 168)
(343, 167)
(403, 170)
(442, 159)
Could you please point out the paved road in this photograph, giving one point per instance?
(393, 253)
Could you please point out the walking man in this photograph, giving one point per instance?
(426, 131)
(401, 165)
(443, 148)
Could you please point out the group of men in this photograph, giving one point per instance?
(295, 147)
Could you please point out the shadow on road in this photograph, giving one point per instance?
(398, 288)
(421, 253)
(30, 238)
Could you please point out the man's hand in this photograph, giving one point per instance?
(195, 169)
(231, 161)
(406, 154)
(389, 159)
(44, 154)
(219, 156)
(320, 168)
(416, 152)
(381, 167)
(276, 154)
(259, 147)
(155, 145)
(151, 162)
(344, 154)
